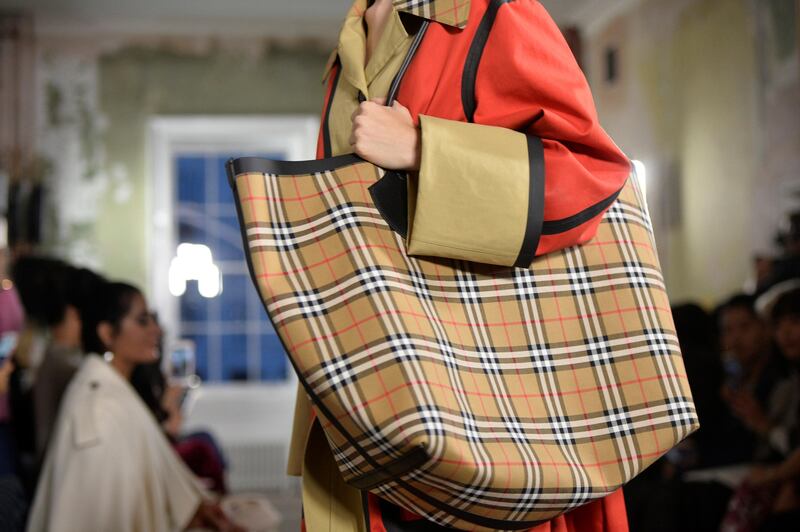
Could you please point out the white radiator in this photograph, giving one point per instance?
(257, 467)
(252, 423)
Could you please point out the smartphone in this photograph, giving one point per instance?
(182, 361)
(8, 342)
(733, 371)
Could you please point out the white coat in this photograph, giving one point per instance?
(109, 466)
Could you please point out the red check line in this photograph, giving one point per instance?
(341, 292)
(321, 193)
(615, 243)
(582, 465)
(328, 259)
(386, 313)
(473, 393)
(263, 265)
(455, 9)
(632, 358)
(383, 314)
(508, 344)
(439, 368)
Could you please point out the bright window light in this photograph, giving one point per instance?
(194, 262)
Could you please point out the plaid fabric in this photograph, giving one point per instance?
(480, 397)
(450, 12)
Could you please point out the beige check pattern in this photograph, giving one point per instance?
(481, 397)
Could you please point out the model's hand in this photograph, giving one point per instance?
(386, 136)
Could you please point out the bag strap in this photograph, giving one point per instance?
(390, 193)
(412, 51)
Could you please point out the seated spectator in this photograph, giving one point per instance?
(658, 498)
(40, 286)
(109, 465)
(64, 351)
(754, 371)
(770, 498)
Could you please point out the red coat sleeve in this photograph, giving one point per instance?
(529, 80)
(535, 171)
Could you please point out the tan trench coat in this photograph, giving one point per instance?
(109, 465)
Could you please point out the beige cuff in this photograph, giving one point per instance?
(472, 197)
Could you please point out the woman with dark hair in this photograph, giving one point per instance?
(109, 466)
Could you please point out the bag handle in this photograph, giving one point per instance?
(394, 88)
(390, 193)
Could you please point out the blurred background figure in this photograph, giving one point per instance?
(753, 372)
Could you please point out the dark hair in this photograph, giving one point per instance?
(111, 304)
(46, 287)
(694, 326)
(82, 288)
(742, 301)
(149, 382)
(41, 284)
(787, 306)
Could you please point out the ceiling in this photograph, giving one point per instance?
(288, 18)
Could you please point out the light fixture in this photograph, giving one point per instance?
(194, 262)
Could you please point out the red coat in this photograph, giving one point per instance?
(525, 80)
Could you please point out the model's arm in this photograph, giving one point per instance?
(537, 179)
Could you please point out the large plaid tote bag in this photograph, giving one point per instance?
(482, 398)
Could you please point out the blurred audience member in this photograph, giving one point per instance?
(41, 285)
(64, 353)
(658, 499)
(13, 504)
(109, 466)
(770, 499)
(753, 372)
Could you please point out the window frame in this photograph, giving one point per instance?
(170, 136)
